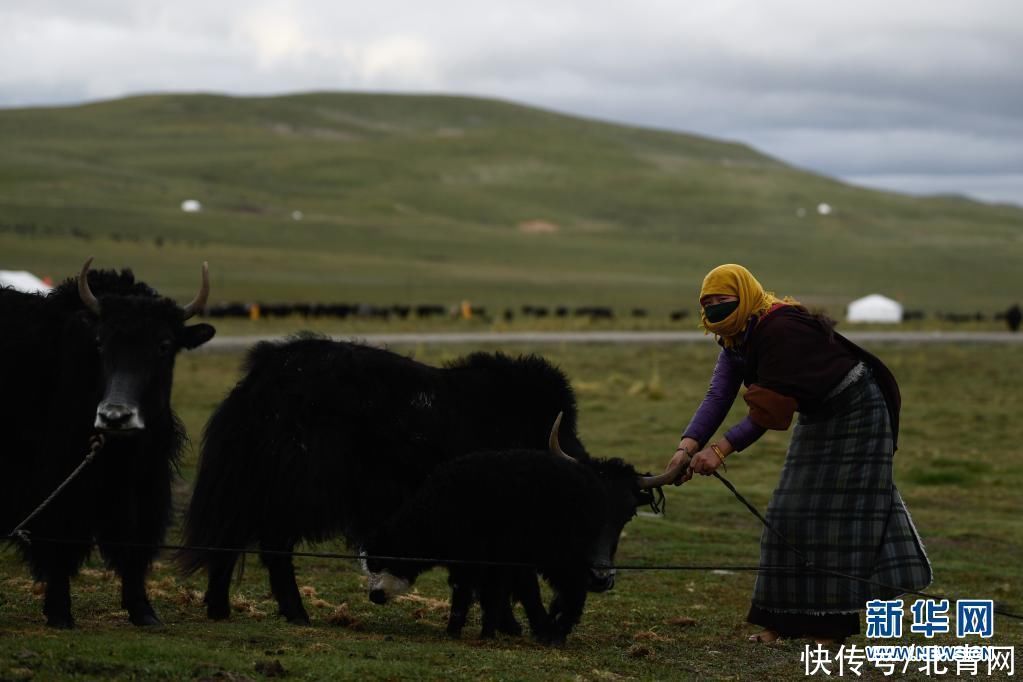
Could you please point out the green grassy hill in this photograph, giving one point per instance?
(438, 199)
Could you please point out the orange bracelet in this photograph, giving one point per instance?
(717, 451)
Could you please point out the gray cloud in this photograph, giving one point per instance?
(867, 91)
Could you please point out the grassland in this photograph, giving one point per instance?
(425, 199)
(959, 467)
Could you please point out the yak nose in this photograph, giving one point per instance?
(116, 417)
(378, 596)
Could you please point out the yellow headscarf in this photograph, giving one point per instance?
(735, 280)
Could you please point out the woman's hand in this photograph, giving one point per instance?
(682, 455)
(706, 461)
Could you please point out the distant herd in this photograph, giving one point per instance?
(476, 465)
(420, 311)
(425, 311)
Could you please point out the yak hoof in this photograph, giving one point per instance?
(511, 628)
(60, 622)
(506, 624)
(300, 620)
(145, 620)
(454, 632)
(218, 613)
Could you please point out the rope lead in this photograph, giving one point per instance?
(96, 443)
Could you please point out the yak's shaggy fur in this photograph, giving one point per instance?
(322, 438)
(56, 358)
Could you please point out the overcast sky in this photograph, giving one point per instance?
(923, 96)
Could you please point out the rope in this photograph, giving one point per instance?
(19, 533)
(763, 520)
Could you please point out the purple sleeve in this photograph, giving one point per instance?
(724, 386)
(744, 434)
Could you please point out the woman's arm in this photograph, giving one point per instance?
(724, 387)
(744, 434)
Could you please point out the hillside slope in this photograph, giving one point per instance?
(424, 198)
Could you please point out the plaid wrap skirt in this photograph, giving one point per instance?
(837, 504)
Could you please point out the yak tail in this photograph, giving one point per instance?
(216, 517)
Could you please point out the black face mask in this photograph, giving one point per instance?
(719, 311)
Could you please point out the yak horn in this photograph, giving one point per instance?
(554, 445)
(84, 292)
(647, 482)
(199, 302)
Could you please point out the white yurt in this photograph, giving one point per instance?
(874, 308)
(22, 280)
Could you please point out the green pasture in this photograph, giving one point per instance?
(412, 199)
(960, 469)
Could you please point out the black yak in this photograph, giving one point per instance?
(96, 355)
(322, 438)
(500, 517)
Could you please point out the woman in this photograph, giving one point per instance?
(836, 502)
